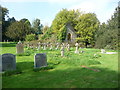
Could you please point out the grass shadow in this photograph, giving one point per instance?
(72, 77)
(8, 45)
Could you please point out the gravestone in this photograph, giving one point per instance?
(39, 46)
(77, 45)
(40, 60)
(103, 51)
(62, 51)
(57, 46)
(8, 62)
(19, 48)
(44, 46)
(68, 47)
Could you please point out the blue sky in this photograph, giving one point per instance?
(46, 10)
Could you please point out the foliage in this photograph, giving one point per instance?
(45, 28)
(37, 27)
(30, 37)
(4, 23)
(19, 29)
(47, 34)
(107, 35)
(62, 34)
(86, 27)
(62, 18)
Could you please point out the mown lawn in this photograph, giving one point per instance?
(67, 71)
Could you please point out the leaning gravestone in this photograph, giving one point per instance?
(20, 47)
(8, 62)
(40, 60)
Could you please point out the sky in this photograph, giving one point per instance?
(46, 10)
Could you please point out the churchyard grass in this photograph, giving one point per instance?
(67, 72)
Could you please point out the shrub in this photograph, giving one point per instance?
(30, 37)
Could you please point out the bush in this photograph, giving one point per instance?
(30, 37)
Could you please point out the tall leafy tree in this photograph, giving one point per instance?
(45, 28)
(86, 27)
(19, 29)
(4, 13)
(62, 18)
(107, 35)
(37, 27)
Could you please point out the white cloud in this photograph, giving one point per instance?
(100, 7)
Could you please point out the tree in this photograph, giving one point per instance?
(45, 28)
(107, 35)
(62, 34)
(19, 29)
(62, 18)
(30, 37)
(4, 23)
(37, 27)
(86, 27)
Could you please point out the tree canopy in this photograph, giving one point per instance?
(86, 27)
(19, 29)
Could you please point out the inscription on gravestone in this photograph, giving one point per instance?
(8, 62)
(40, 60)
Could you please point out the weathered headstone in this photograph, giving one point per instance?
(40, 60)
(8, 62)
(68, 47)
(103, 51)
(44, 46)
(57, 46)
(39, 46)
(62, 51)
(19, 48)
(77, 45)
